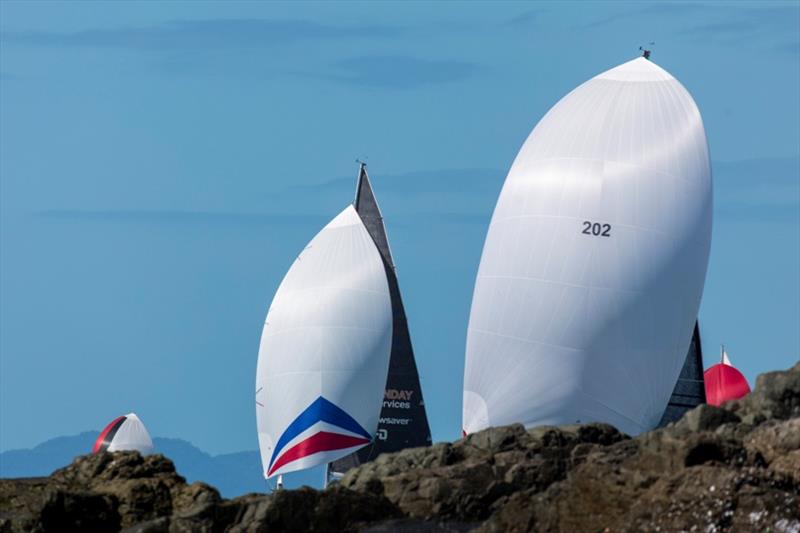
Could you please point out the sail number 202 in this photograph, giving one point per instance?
(596, 228)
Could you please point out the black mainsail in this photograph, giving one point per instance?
(403, 421)
(690, 390)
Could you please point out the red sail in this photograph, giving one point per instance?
(107, 435)
(724, 383)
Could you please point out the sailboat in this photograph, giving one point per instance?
(724, 382)
(324, 352)
(403, 421)
(690, 390)
(334, 332)
(595, 259)
(126, 432)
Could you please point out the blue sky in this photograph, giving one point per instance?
(161, 165)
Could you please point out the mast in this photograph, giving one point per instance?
(690, 390)
(403, 420)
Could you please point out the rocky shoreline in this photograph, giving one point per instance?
(735, 468)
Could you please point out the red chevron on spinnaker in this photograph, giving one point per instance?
(323, 441)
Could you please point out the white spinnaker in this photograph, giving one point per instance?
(328, 333)
(571, 327)
(131, 435)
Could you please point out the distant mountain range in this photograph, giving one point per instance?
(232, 474)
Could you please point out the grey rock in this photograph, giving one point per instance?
(705, 417)
(735, 468)
(776, 396)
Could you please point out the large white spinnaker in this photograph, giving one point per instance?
(594, 261)
(324, 352)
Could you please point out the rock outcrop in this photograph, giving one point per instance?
(735, 468)
(125, 491)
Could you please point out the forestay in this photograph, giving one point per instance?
(594, 261)
(324, 351)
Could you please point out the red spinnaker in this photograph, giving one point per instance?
(107, 435)
(724, 383)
